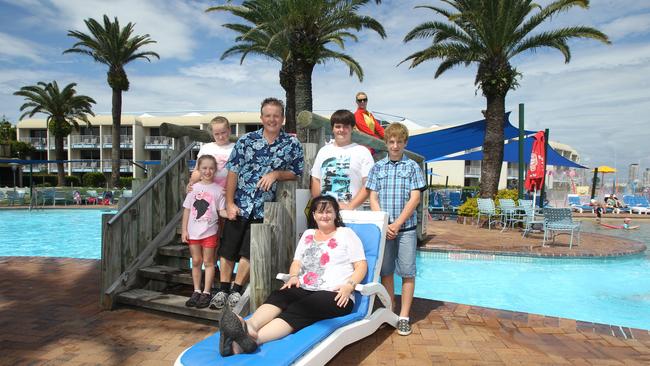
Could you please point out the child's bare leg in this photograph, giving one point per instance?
(208, 262)
(197, 260)
(408, 290)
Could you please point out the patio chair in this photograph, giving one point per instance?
(559, 221)
(576, 205)
(3, 196)
(455, 200)
(92, 197)
(530, 220)
(486, 208)
(436, 202)
(509, 214)
(321, 341)
(60, 196)
(15, 198)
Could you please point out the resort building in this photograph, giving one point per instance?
(89, 149)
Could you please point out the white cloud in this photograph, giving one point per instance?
(626, 26)
(17, 48)
(230, 72)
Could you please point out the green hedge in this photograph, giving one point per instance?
(126, 182)
(94, 179)
(72, 180)
(44, 180)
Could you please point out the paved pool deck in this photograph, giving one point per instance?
(452, 235)
(49, 315)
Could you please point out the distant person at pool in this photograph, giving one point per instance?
(328, 263)
(627, 223)
(365, 121)
(202, 207)
(396, 184)
(220, 149)
(599, 208)
(341, 168)
(612, 202)
(258, 161)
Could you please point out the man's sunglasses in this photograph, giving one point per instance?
(362, 100)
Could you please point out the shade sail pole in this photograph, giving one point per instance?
(522, 164)
(593, 183)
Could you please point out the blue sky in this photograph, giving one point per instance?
(599, 103)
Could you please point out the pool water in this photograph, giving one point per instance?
(609, 291)
(641, 234)
(51, 233)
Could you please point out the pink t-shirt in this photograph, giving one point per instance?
(328, 264)
(221, 154)
(204, 203)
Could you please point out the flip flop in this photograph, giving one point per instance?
(233, 328)
(225, 345)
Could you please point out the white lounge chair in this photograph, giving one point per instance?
(320, 342)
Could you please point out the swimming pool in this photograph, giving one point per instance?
(51, 233)
(611, 291)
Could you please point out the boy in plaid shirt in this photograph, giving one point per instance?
(395, 185)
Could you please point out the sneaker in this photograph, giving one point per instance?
(218, 301)
(204, 301)
(233, 299)
(193, 299)
(403, 327)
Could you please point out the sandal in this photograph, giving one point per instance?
(225, 345)
(233, 328)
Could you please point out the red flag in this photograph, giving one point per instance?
(535, 174)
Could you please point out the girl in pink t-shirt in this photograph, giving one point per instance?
(202, 208)
(220, 149)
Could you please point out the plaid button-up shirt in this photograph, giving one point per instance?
(393, 181)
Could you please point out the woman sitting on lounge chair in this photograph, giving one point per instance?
(328, 263)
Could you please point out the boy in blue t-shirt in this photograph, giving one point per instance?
(395, 185)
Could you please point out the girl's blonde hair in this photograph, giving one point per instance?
(219, 119)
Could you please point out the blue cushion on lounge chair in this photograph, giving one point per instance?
(286, 350)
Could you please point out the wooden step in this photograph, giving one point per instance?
(165, 302)
(172, 274)
(175, 250)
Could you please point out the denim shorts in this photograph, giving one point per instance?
(399, 255)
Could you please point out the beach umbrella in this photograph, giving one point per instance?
(604, 169)
(535, 174)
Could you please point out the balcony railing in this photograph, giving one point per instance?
(65, 144)
(126, 141)
(125, 166)
(158, 142)
(85, 141)
(39, 143)
(473, 170)
(85, 166)
(36, 168)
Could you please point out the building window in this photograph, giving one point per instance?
(155, 131)
(38, 133)
(154, 154)
(251, 128)
(89, 131)
(126, 130)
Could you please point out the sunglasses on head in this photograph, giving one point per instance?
(362, 100)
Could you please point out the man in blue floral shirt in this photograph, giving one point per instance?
(258, 161)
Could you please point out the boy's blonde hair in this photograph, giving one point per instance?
(219, 119)
(396, 130)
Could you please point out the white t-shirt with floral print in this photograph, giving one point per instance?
(328, 264)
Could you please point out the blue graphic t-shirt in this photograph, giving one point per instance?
(252, 158)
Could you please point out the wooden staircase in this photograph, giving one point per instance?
(168, 284)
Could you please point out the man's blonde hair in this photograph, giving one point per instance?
(396, 130)
(219, 119)
(361, 93)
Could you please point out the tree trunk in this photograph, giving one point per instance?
(115, 149)
(303, 71)
(492, 146)
(60, 171)
(288, 83)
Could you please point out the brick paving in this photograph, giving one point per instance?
(49, 315)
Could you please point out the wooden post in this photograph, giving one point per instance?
(110, 263)
(263, 239)
(310, 150)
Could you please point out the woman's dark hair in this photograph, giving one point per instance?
(319, 204)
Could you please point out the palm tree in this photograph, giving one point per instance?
(115, 47)
(298, 32)
(64, 108)
(490, 33)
